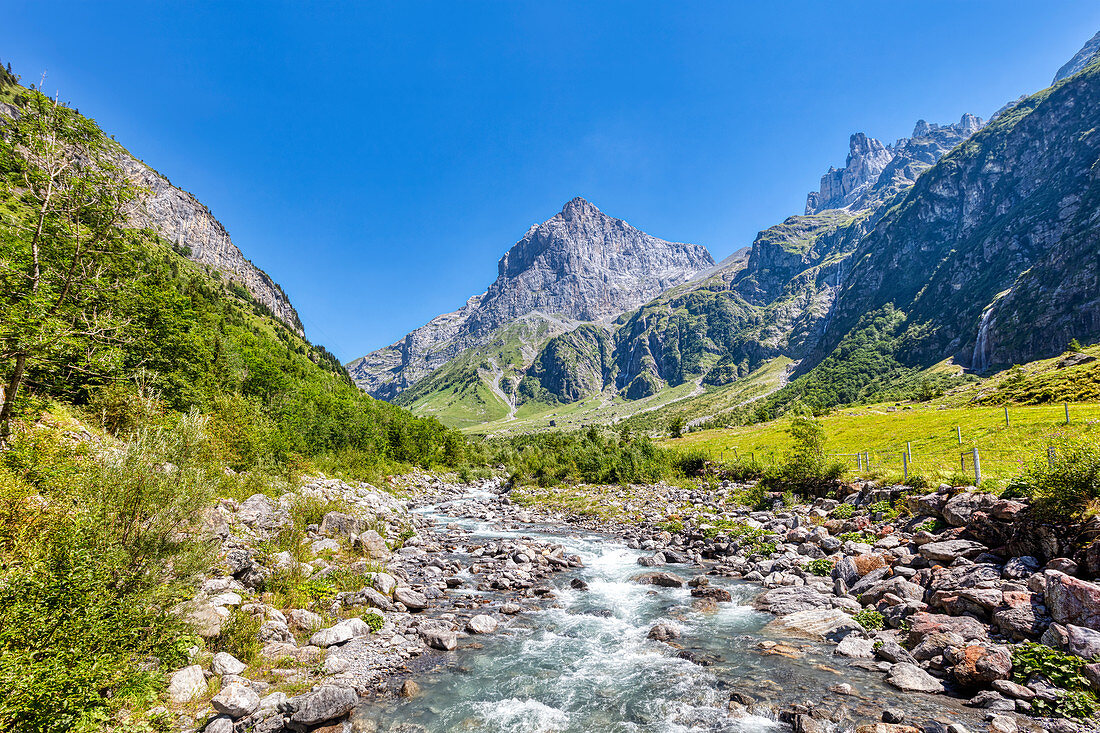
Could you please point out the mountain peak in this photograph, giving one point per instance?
(578, 207)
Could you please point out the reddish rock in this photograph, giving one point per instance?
(1072, 601)
(979, 665)
(921, 624)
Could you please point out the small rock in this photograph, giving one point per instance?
(186, 684)
(226, 664)
(664, 632)
(326, 703)
(411, 599)
(409, 688)
(236, 701)
(481, 624)
(911, 678)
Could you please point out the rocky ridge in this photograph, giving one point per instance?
(178, 218)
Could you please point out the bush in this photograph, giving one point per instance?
(239, 636)
(870, 619)
(1065, 488)
(806, 467)
(842, 511)
(822, 566)
(85, 621)
(1065, 671)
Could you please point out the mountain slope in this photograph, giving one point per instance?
(580, 265)
(178, 218)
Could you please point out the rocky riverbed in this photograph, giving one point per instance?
(473, 607)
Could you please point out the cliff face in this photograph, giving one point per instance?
(580, 265)
(179, 218)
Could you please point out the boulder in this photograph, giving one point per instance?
(911, 678)
(817, 624)
(384, 583)
(950, 550)
(327, 703)
(958, 510)
(855, 647)
(439, 638)
(1077, 640)
(665, 580)
(664, 632)
(372, 545)
(786, 600)
(186, 684)
(236, 701)
(978, 665)
(720, 595)
(225, 663)
(331, 636)
(411, 599)
(303, 620)
(259, 512)
(1072, 601)
(481, 624)
(338, 524)
(219, 724)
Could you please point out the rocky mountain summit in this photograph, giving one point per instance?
(579, 265)
(1080, 60)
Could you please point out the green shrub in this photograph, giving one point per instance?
(863, 537)
(842, 511)
(870, 619)
(1063, 670)
(374, 621)
(1065, 488)
(85, 620)
(239, 636)
(821, 566)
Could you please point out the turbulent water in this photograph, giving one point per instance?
(587, 665)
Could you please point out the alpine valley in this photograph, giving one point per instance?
(961, 249)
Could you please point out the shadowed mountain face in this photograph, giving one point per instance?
(580, 265)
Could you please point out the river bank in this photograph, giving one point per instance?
(502, 613)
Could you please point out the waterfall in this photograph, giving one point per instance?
(979, 360)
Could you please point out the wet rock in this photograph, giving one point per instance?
(511, 609)
(854, 647)
(886, 728)
(226, 664)
(720, 595)
(911, 678)
(481, 624)
(236, 701)
(327, 703)
(578, 584)
(664, 632)
(817, 624)
(186, 684)
(665, 580)
(991, 700)
(650, 562)
(409, 688)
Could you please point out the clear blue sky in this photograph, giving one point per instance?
(378, 158)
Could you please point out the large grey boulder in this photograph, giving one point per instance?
(961, 507)
(327, 703)
(786, 600)
(817, 624)
(1076, 640)
(439, 638)
(911, 678)
(225, 663)
(665, 580)
(481, 624)
(236, 701)
(259, 512)
(339, 524)
(186, 684)
(950, 550)
(331, 636)
(411, 599)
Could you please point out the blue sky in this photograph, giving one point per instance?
(378, 158)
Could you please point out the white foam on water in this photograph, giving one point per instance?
(522, 716)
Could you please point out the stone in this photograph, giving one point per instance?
(1008, 688)
(259, 512)
(816, 624)
(338, 524)
(411, 599)
(384, 583)
(911, 678)
(439, 638)
(664, 632)
(786, 600)
(331, 636)
(853, 647)
(186, 684)
(303, 620)
(1077, 640)
(409, 688)
(991, 700)
(1072, 601)
(335, 665)
(721, 595)
(206, 620)
(922, 624)
(225, 663)
(327, 703)
(219, 724)
(977, 665)
(372, 544)
(236, 701)
(950, 550)
(665, 580)
(481, 624)
(958, 510)
(886, 728)
(273, 701)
